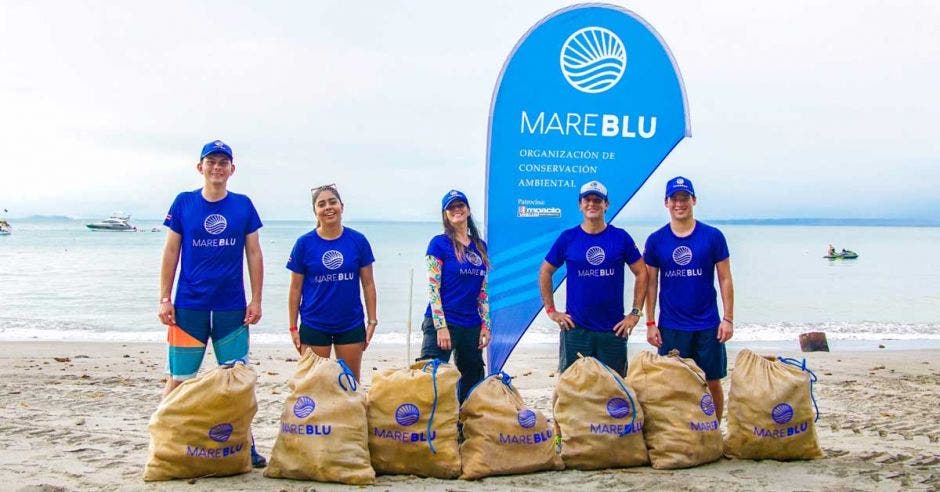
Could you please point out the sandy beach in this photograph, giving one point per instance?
(74, 417)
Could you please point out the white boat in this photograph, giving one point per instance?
(117, 222)
(5, 229)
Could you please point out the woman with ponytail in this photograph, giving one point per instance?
(457, 318)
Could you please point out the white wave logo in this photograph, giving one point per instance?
(595, 255)
(682, 255)
(474, 258)
(215, 224)
(332, 259)
(593, 59)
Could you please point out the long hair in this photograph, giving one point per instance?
(459, 248)
(316, 193)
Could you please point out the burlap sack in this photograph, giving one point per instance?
(770, 411)
(501, 435)
(201, 428)
(413, 421)
(323, 431)
(598, 419)
(681, 428)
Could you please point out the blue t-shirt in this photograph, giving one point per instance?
(212, 250)
(595, 274)
(687, 296)
(461, 281)
(330, 301)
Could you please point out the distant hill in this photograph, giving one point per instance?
(925, 222)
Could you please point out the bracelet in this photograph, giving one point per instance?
(650, 323)
(373, 322)
(292, 328)
(164, 300)
(728, 320)
(550, 310)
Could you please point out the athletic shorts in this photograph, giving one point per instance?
(317, 338)
(604, 346)
(187, 340)
(702, 346)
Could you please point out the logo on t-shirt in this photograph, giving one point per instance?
(215, 224)
(595, 255)
(474, 258)
(332, 259)
(682, 255)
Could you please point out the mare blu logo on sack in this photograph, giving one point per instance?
(593, 59)
(782, 414)
(220, 434)
(332, 259)
(303, 408)
(617, 408)
(527, 420)
(707, 406)
(215, 224)
(406, 415)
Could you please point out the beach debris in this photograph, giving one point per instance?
(290, 359)
(80, 421)
(527, 373)
(82, 356)
(876, 368)
(814, 341)
(881, 346)
(126, 356)
(271, 373)
(62, 359)
(191, 481)
(84, 376)
(551, 374)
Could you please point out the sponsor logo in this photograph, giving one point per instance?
(304, 407)
(332, 259)
(593, 59)
(782, 413)
(407, 414)
(707, 405)
(221, 432)
(526, 419)
(595, 255)
(682, 255)
(526, 211)
(215, 224)
(474, 258)
(618, 408)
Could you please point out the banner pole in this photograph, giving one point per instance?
(411, 284)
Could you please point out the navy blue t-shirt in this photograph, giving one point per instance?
(330, 300)
(595, 274)
(212, 250)
(461, 281)
(687, 295)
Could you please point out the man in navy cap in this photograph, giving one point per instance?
(595, 253)
(211, 230)
(682, 258)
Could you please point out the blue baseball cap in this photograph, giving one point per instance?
(216, 147)
(677, 184)
(452, 196)
(593, 188)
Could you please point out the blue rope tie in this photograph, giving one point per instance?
(812, 379)
(435, 363)
(505, 378)
(616, 377)
(346, 375)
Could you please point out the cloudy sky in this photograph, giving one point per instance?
(798, 108)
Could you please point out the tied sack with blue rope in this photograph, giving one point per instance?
(503, 436)
(322, 433)
(413, 421)
(681, 426)
(598, 419)
(771, 410)
(201, 428)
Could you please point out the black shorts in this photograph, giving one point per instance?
(702, 346)
(317, 338)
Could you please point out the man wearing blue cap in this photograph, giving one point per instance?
(211, 230)
(595, 254)
(683, 257)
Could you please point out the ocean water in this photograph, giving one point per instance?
(60, 281)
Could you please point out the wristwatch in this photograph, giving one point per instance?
(635, 312)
